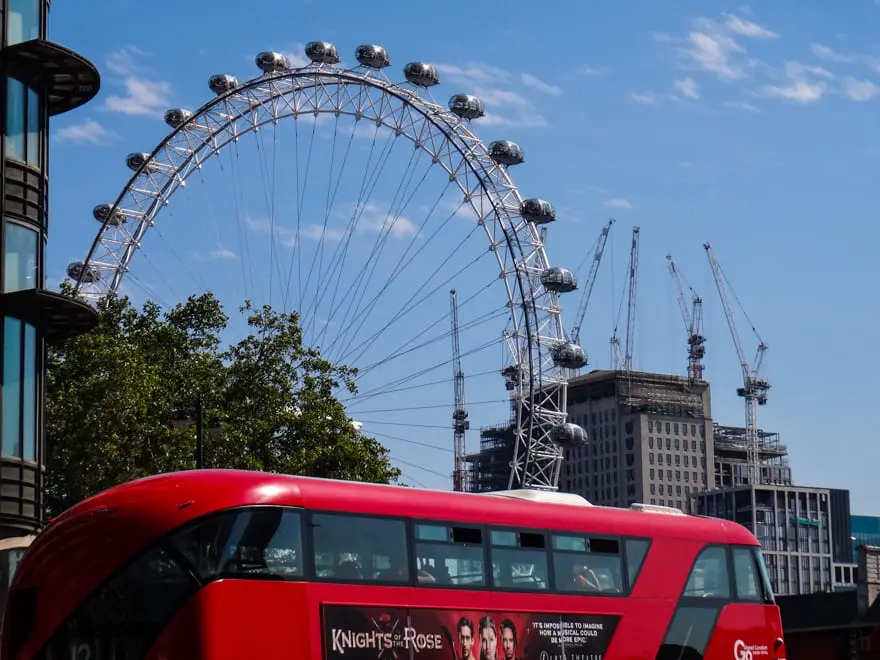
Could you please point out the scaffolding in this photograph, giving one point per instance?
(732, 458)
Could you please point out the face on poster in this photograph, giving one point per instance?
(377, 633)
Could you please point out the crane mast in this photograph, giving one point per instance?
(693, 322)
(624, 361)
(755, 387)
(575, 334)
(460, 423)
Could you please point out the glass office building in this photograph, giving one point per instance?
(40, 79)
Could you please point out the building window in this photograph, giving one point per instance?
(23, 23)
(23, 125)
(20, 246)
(33, 127)
(15, 118)
(19, 389)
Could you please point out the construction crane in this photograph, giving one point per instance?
(599, 250)
(623, 361)
(755, 387)
(693, 323)
(460, 423)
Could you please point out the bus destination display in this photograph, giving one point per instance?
(379, 633)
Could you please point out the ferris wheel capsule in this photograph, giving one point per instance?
(271, 62)
(105, 213)
(322, 52)
(81, 273)
(560, 280)
(467, 106)
(177, 117)
(505, 152)
(222, 83)
(539, 211)
(136, 161)
(568, 435)
(372, 56)
(421, 74)
(569, 356)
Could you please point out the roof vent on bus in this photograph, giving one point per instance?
(656, 508)
(549, 496)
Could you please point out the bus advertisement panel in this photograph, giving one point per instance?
(380, 633)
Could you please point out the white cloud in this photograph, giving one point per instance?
(126, 61)
(590, 71)
(713, 52)
(378, 218)
(746, 28)
(314, 232)
(494, 87)
(471, 74)
(646, 98)
(688, 87)
(741, 105)
(618, 203)
(800, 85)
(143, 96)
(712, 46)
(223, 254)
(296, 57)
(826, 53)
(860, 90)
(529, 80)
(517, 109)
(88, 131)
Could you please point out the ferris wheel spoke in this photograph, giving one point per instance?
(368, 185)
(318, 256)
(408, 377)
(237, 198)
(473, 323)
(415, 300)
(389, 224)
(386, 389)
(405, 346)
(361, 279)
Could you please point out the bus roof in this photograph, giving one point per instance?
(121, 521)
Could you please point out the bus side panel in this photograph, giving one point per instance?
(238, 619)
(666, 567)
(747, 631)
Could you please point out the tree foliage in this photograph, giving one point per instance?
(121, 400)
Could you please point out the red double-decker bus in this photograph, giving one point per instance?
(244, 565)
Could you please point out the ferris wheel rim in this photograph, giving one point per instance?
(455, 132)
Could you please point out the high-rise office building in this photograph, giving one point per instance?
(650, 438)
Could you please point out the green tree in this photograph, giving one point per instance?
(121, 399)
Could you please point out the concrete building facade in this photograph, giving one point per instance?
(40, 80)
(650, 438)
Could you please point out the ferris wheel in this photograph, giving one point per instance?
(364, 269)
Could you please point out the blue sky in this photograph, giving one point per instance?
(752, 127)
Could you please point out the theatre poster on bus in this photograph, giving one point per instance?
(379, 633)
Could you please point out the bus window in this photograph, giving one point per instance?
(123, 618)
(582, 563)
(765, 577)
(351, 548)
(256, 542)
(709, 577)
(746, 576)
(636, 551)
(519, 560)
(449, 556)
